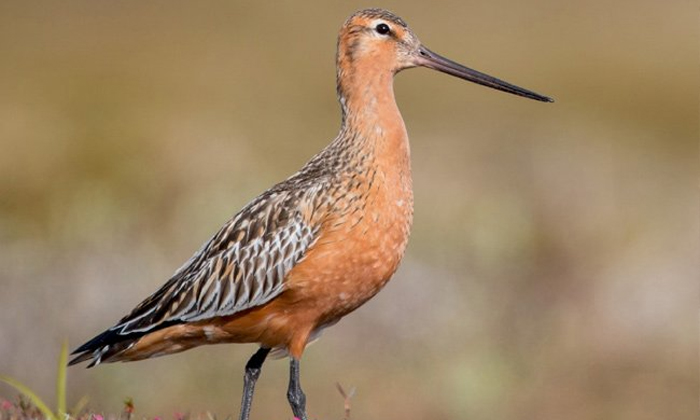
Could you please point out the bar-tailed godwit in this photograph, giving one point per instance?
(312, 248)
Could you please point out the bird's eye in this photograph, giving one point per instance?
(382, 29)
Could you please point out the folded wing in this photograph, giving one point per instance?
(244, 265)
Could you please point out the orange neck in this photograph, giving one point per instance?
(369, 110)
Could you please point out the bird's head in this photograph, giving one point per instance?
(378, 41)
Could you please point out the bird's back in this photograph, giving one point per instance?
(320, 242)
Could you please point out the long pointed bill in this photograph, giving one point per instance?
(427, 58)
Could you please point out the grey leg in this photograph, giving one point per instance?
(252, 372)
(295, 395)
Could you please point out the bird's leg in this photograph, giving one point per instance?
(295, 395)
(252, 372)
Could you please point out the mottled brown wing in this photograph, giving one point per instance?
(244, 265)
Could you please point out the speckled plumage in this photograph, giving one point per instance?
(312, 248)
(351, 204)
(248, 261)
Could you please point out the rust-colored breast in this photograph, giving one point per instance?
(359, 248)
(361, 243)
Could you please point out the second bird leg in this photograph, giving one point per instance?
(252, 373)
(295, 395)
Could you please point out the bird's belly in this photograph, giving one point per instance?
(351, 263)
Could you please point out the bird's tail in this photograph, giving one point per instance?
(102, 348)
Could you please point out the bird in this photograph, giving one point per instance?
(312, 248)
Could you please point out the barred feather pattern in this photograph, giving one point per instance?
(243, 265)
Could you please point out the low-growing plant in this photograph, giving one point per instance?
(60, 413)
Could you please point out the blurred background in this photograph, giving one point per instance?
(552, 269)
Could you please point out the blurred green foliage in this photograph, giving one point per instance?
(553, 263)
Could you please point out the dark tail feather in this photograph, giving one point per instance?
(110, 343)
(107, 337)
(81, 358)
(102, 347)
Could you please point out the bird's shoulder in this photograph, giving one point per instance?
(293, 207)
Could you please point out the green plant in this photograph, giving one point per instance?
(60, 413)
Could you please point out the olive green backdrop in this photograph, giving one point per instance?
(552, 270)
